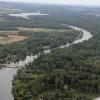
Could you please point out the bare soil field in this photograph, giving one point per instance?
(11, 36)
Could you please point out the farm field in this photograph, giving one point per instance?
(42, 29)
(11, 39)
(8, 37)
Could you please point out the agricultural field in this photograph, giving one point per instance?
(7, 37)
(42, 29)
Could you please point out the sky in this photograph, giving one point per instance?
(66, 2)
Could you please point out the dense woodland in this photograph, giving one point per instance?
(72, 73)
(62, 74)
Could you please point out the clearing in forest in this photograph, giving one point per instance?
(10, 37)
(42, 29)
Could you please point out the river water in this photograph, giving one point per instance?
(7, 74)
(26, 15)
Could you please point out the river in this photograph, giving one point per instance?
(27, 15)
(7, 74)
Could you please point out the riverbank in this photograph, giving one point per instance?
(2, 66)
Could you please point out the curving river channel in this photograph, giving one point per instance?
(7, 74)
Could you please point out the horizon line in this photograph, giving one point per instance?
(84, 5)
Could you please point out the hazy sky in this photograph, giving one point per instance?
(83, 2)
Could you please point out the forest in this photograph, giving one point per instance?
(71, 73)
